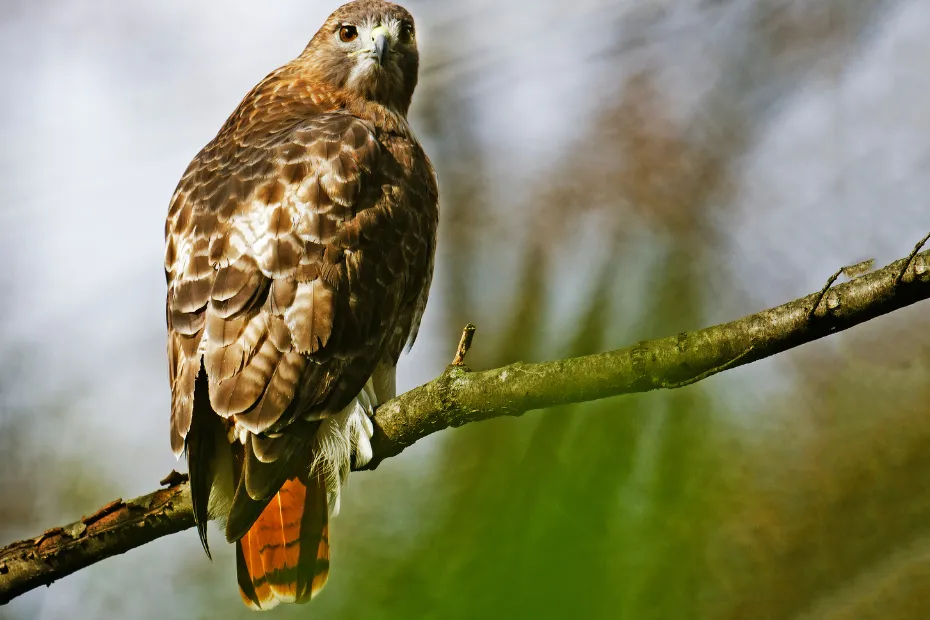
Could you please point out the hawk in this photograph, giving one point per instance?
(299, 254)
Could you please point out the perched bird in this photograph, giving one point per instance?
(299, 254)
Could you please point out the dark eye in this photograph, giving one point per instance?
(347, 34)
(406, 33)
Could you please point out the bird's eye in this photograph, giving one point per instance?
(347, 34)
(406, 33)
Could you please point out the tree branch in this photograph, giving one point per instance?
(116, 528)
(459, 396)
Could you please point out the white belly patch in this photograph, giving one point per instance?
(341, 438)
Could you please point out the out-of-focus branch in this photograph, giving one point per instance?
(116, 528)
(460, 396)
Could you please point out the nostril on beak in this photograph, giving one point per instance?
(379, 42)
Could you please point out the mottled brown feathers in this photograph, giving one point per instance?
(299, 252)
(296, 251)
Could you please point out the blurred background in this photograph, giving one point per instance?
(610, 171)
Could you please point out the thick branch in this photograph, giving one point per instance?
(459, 396)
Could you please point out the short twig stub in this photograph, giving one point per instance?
(464, 345)
(910, 259)
(823, 292)
(173, 479)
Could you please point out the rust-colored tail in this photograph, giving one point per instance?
(284, 557)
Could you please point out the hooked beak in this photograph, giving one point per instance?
(379, 42)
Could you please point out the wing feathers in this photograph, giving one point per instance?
(201, 447)
(191, 296)
(224, 361)
(250, 242)
(186, 323)
(289, 278)
(310, 316)
(278, 395)
(183, 373)
(235, 286)
(243, 388)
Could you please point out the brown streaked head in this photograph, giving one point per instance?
(368, 49)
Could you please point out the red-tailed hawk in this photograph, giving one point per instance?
(299, 254)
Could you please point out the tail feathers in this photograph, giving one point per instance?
(284, 557)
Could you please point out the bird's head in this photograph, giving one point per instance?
(369, 49)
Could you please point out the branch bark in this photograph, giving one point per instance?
(459, 396)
